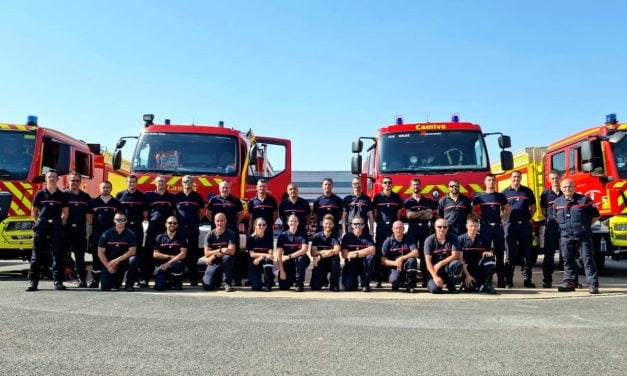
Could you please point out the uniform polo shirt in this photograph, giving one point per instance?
(259, 245)
(187, 207)
(519, 201)
(547, 198)
(387, 207)
(215, 241)
(455, 211)
(133, 204)
(290, 242)
(159, 206)
(300, 208)
(116, 244)
(575, 216)
(170, 245)
(393, 249)
(413, 205)
(323, 242)
(352, 242)
(229, 206)
(103, 213)
(263, 208)
(78, 205)
(357, 206)
(50, 205)
(472, 249)
(327, 205)
(439, 251)
(490, 204)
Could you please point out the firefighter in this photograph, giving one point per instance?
(576, 213)
(76, 234)
(294, 205)
(327, 203)
(491, 206)
(325, 252)
(442, 256)
(357, 204)
(232, 208)
(219, 253)
(133, 202)
(399, 256)
(518, 230)
(454, 207)
(159, 205)
(116, 252)
(420, 216)
(260, 249)
(551, 230)
(358, 251)
(50, 212)
(169, 254)
(291, 253)
(100, 214)
(263, 205)
(189, 207)
(387, 209)
(478, 259)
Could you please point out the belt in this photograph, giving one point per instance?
(492, 223)
(74, 224)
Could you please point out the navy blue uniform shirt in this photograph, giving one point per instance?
(115, 244)
(472, 249)
(352, 242)
(393, 249)
(455, 211)
(133, 204)
(259, 245)
(290, 242)
(78, 205)
(187, 207)
(263, 208)
(490, 204)
(230, 206)
(159, 206)
(50, 207)
(413, 205)
(215, 241)
(575, 215)
(387, 207)
(300, 208)
(439, 251)
(547, 198)
(328, 205)
(323, 242)
(103, 213)
(519, 201)
(357, 205)
(170, 246)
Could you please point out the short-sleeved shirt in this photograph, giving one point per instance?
(50, 207)
(78, 205)
(103, 213)
(393, 249)
(357, 206)
(455, 212)
(322, 242)
(490, 204)
(472, 249)
(413, 205)
(519, 200)
(387, 207)
(439, 251)
(257, 244)
(187, 207)
(170, 245)
(116, 244)
(327, 205)
(133, 204)
(300, 208)
(290, 242)
(229, 206)
(215, 241)
(547, 198)
(263, 208)
(352, 242)
(159, 206)
(575, 216)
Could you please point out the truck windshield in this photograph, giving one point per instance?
(432, 152)
(620, 157)
(16, 154)
(186, 153)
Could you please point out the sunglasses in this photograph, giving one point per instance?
(359, 224)
(441, 226)
(453, 186)
(188, 181)
(120, 220)
(172, 223)
(387, 182)
(262, 225)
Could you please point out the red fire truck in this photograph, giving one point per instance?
(433, 152)
(211, 154)
(27, 153)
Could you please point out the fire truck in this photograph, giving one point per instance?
(211, 154)
(433, 152)
(28, 152)
(596, 159)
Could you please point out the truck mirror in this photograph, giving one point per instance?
(120, 144)
(504, 143)
(356, 164)
(587, 167)
(117, 159)
(507, 160)
(617, 137)
(358, 145)
(586, 151)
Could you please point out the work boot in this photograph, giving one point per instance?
(593, 290)
(411, 290)
(378, 285)
(488, 289)
(143, 283)
(529, 284)
(94, 284)
(228, 288)
(566, 287)
(58, 285)
(547, 285)
(32, 286)
(267, 288)
(335, 289)
(299, 287)
(82, 284)
(365, 289)
(129, 287)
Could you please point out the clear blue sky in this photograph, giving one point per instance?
(318, 72)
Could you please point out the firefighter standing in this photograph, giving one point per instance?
(189, 207)
(76, 230)
(133, 203)
(50, 211)
(387, 210)
(159, 204)
(551, 230)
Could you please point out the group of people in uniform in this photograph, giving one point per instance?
(457, 243)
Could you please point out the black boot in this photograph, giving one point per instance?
(58, 285)
(32, 286)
